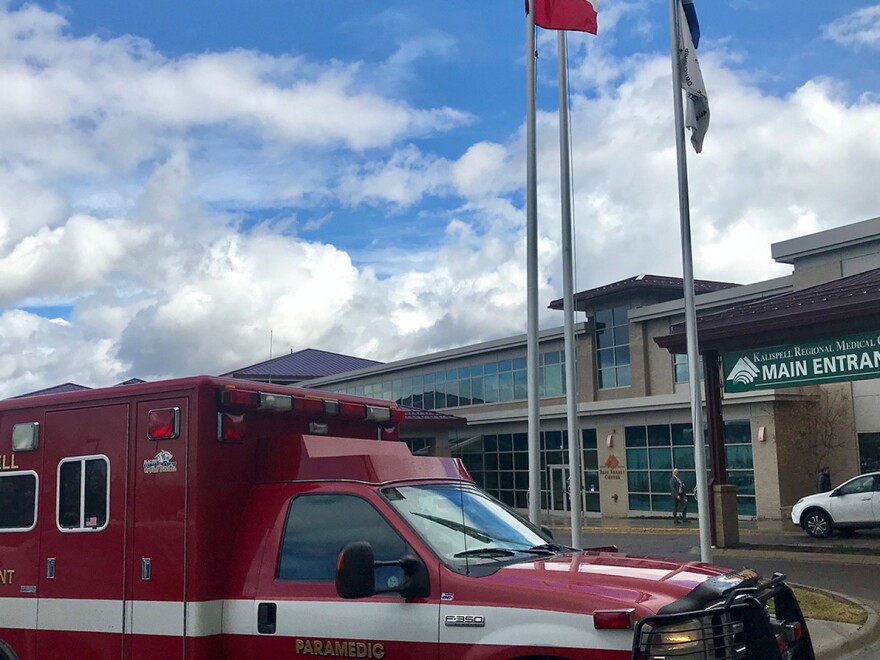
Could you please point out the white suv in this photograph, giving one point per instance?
(852, 505)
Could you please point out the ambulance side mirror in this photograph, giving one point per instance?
(356, 573)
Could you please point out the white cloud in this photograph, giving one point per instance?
(128, 180)
(860, 29)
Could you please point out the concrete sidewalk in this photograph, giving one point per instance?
(837, 641)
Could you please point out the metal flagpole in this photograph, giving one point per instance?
(534, 411)
(575, 490)
(689, 302)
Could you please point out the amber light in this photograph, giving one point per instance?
(613, 619)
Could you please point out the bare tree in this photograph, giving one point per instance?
(813, 431)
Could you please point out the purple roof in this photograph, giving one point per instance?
(303, 365)
(670, 288)
(57, 389)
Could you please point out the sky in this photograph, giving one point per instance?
(190, 187)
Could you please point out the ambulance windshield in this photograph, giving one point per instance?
(463, 524)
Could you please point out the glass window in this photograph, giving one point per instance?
(682, 372)
(83, 493)
(477, 395)
(869, 452)
(18, 501)
(452, 394)
(638, 481)
(682, 434)
(738, 432)
(553, 439)
(636, 459)
(660, 481)
(520, 385)
(739, 457)
(419, 446)
(683, 458)
(635, 436)
(657, 448)
(680, 365)
(490, 388)
(464, 392)
(612, 347)
(660, 458)
(505, 386)
(319, 526)
(455, 519)
(658, 435)
(860, 485)
(552, 380)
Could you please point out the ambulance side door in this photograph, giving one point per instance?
(82, 537)
(20, 474)
(298, 611)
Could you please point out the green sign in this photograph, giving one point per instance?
(843, 358)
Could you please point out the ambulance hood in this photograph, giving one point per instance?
(586, 581)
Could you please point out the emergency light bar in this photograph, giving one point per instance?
(309, 405)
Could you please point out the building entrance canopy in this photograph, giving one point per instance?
(839, 308)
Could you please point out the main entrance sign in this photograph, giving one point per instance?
(855, 357)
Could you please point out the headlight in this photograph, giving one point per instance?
(681, 639)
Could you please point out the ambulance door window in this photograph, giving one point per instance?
(18, 501)
(83, 493)
(318, 526)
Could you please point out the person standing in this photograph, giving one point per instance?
(823, 483)
(679, 499)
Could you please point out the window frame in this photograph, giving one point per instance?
(82, 460)
(611, 346)
(19, 473)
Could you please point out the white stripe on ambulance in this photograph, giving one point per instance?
(504, 626)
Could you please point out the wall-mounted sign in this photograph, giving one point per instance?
(855, 357)
(612, 468)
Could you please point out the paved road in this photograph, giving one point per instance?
(810, 569)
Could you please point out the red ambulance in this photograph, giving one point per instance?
(209, 518)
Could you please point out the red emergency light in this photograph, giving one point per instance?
(310, 405)
(163, 423)
(246, 400)
(613, 619)
(349, 410)
(230, 428)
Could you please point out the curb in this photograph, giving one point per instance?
(866, 635)
(798, 555)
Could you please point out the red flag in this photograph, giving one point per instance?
(577, 15)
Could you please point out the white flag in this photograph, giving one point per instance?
(697, 114)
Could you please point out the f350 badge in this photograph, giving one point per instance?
(470, 620)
